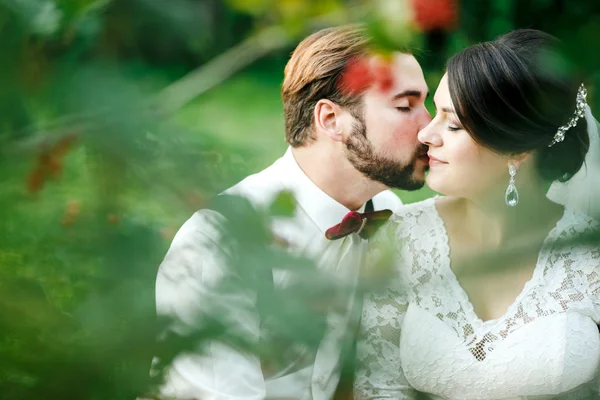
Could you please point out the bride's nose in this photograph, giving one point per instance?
(430, 134)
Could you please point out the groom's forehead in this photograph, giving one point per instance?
(408, 75)
(406, 65)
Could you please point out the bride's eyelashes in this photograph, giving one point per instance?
(403, 109)
(453, 126)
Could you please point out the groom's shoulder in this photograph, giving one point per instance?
(387, 200)
(259, 188)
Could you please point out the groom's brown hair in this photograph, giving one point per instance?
(313, 73)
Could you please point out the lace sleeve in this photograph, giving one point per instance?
(379, 374)
(593, 282)
(583, 262)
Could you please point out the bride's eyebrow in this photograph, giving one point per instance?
(444, 109)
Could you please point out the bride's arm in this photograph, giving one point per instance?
(379, 373)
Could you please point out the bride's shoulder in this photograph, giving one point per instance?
(407, 219)
(415, 210)
(576, 239)
(577, 222)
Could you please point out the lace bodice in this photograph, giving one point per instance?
(422, 332)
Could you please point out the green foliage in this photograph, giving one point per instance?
(284, 205)
(96, 177)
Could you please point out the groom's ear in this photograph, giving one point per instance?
(330, 120)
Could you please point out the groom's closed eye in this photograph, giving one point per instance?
(408, 96)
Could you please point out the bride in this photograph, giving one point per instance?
(497, 293)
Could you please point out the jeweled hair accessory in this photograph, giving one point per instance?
(579, 113)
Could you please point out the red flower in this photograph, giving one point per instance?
(357, 77)
(382, 72)
(435, 14)
(362, 73)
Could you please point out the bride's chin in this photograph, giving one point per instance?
(435, 182)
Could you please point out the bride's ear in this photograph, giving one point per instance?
(520, 158)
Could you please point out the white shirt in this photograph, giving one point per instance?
(191, 270)
(424, 334)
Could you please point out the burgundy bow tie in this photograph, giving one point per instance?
(365, 224)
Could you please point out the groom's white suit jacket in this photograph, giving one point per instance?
(191, 269)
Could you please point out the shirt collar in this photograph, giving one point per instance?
(322, 209)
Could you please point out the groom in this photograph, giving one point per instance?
(351, 120)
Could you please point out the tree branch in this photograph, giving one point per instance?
(192, 85)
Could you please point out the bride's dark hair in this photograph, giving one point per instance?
(512, 94)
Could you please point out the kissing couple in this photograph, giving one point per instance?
(492, 295)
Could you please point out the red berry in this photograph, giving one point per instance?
(435, 14)
(73, 208)
(194, 199)
(36, 180)
(167, 233)
(67, 220)
(112, 218)
(64, 145)
(50, 164)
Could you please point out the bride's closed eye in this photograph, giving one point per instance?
(453, 127)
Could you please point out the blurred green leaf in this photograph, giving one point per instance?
(284, 205)
(79, 256)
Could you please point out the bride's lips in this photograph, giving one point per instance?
(435, 161)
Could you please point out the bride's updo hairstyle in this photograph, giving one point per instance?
(512, 95)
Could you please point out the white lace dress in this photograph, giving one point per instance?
(423, 334)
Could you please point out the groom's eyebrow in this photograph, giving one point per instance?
(410, 93)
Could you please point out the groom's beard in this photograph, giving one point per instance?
(393, 174)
